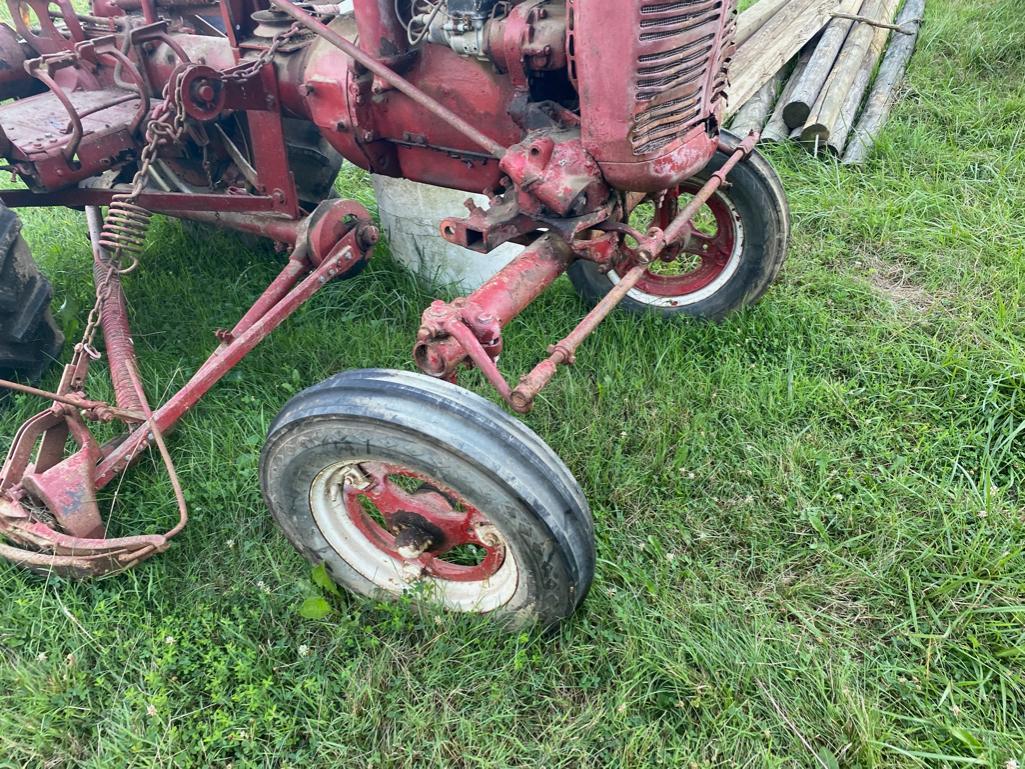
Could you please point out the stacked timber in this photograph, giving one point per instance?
(780, 36)
(887, 82)
(803, 69)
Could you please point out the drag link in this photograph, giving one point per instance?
(564, 352)
(681, 227)
(103, 412)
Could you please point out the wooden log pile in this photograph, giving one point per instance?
(806, 70)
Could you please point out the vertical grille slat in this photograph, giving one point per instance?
(674, 88)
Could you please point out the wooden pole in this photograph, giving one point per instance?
(802, 100)
(754, 18)
(891, 73)
(776, 43)
(841, 129)
(776, 130)
(827, 112)
(753, 115)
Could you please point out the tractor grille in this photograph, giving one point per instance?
(681, 68)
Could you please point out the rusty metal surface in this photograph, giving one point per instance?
(471, 327)
(114, 319)
(441, 112)
(49, 519)
(157, 202)
(645, 119)
(14, 80)
(38, 129)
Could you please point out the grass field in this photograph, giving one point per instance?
(809, 518)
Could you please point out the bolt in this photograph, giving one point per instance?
(488, 534)
(368, 235)
(205, 91)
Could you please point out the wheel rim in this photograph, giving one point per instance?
(693, 273)
(399, 528)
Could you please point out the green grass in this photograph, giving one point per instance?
(809, 518)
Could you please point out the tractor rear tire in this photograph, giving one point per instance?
(30, 340)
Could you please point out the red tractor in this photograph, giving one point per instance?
(593, 128)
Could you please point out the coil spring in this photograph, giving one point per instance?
(124, 228)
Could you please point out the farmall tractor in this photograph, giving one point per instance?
(592, 126)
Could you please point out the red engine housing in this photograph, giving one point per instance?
(652, 78)
(631, 92)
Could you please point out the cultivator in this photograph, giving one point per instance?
(592, 127)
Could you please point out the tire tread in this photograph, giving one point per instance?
(30, 339)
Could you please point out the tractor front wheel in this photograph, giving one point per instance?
(396, 482)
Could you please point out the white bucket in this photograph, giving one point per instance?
(411, 214)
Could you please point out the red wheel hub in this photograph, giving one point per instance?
(430, 524)
(712, 249)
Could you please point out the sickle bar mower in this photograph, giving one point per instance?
(591, 125)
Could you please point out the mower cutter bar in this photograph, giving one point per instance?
(49, 518)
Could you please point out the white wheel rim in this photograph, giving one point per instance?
(394, 576)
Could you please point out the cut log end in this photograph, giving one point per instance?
(796, 113)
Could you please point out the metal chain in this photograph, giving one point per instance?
(166, 126)
(252, 67)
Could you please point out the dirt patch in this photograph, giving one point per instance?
(892, 282)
